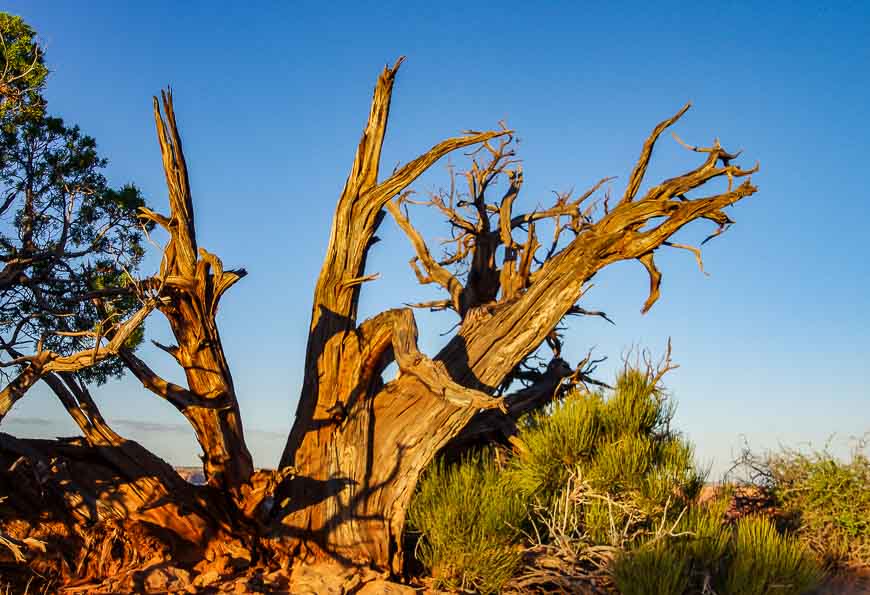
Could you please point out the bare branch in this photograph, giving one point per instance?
(655, 372)
(506, 207)
(410, 172)
(639, 170)
(77, 400)
(655, 280)
(494, 344)
(180, 397)
(433, 374)
(161, 220)
(693, 250)
(561, 208)
(434, 271)
(584, 312)
(45, 362)
(19, 386)
(90, 357)
(433, 305)
(181, 224)
(190, 285)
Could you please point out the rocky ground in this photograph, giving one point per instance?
(330, 579)
(325, 579)
(333, 579)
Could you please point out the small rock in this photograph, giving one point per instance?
(382, 587)
(166, 578)
(206, 578)
(240, 558)
(319, 579)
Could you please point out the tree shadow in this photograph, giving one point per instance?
(356, 407)
(69, 483)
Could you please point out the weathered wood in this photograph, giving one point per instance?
(358, 214)
(359, 443)
(192, 283)
(359, 446)
(326, 454)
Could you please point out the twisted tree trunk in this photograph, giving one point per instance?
(358, 444)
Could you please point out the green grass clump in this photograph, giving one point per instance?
(766, 562)
(551, 445)
(751, 558)
(637, 405)
(623, 464)
(657, 570)
(705, 538)
(469, 523)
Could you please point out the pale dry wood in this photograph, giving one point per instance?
(374, 439)
(435, 272)
(639, 171)
(358, 214)
(432, 374)
(360, 441)
(190, 284)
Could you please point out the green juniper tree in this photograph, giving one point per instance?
(68, 240)
(22, 70)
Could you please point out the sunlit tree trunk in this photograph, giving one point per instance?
(359, 443)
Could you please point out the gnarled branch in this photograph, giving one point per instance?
(435, 272)
(45, 362)
(433, 374)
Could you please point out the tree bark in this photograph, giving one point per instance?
(358, 444)
(192, 282)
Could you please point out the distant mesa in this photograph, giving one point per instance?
(192, 475)
(195, 475)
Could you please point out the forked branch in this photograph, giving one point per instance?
(45, 362)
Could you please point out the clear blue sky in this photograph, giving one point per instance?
(271, 98)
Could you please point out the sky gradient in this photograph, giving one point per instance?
(271, 98)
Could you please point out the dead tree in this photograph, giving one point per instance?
(358, 445)
(359, 442)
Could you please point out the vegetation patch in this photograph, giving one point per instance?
(471, 521)
(825, 501)
(602, 490)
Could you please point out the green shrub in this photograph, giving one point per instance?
(622, 465)
(751, 558)
(706, 537)
(765, 562)
(828, 501)
(674, 475)
(602, 482)
(469, 524)
(552, 444)
(637, 406)
(625, 465)
(657, 570)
